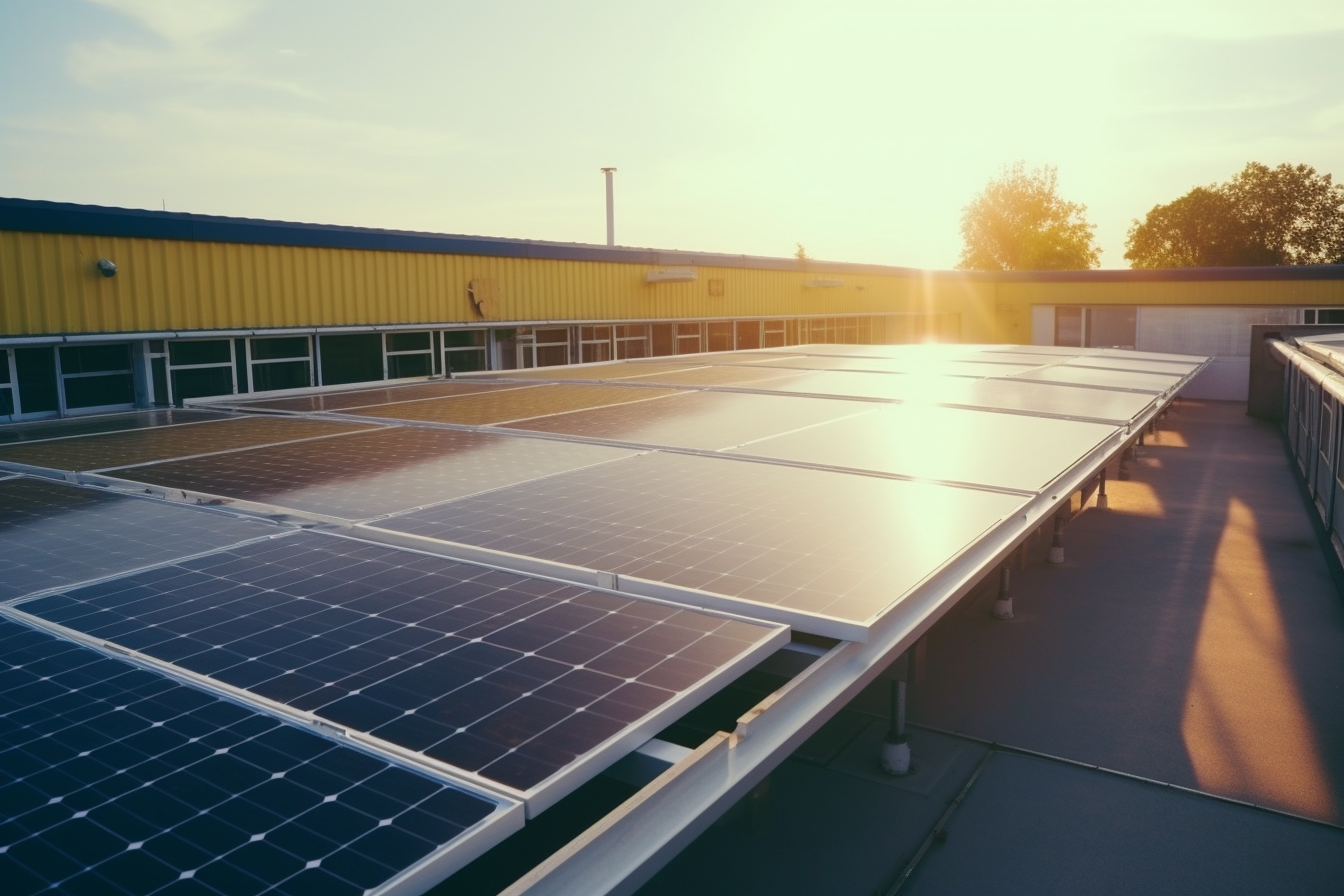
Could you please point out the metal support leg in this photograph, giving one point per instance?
(1057, 544)
(1003, 606)
(896, 747)
(1102, 501)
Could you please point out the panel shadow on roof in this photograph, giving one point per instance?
(53, 535)
(527, 683)
(825, 552)
(94, 452)
(120, 779)
(369, 474)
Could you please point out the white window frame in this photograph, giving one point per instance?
(170, 367)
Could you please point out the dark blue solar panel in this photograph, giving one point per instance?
(510, 677)
(117, 779)
(52, 534)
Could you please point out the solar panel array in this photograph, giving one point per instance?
(512, 678)
(117, 779)
(429, 697)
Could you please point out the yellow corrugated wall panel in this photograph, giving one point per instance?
(49, 284)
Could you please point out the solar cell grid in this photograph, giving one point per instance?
(514, 404)
(1142, 365)
(841, 384)
(364, 475)
(336, 401)
(704, 420)
(117, 779)
(940, 367)
(726, 375)
(1126, 380)
(948, 444)
(825, 552)
(609, 371)
(53, 534)
(79, 426)
(118, 449)
(509, 677)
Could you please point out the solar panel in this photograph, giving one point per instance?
(1007, 394)
(94, 452)
(706, 420)
(514, 404)
(52, 534)
(117, 779)
(840, 384)
(336, 401)
(526, 683)
(607, 371)
(727, 375)
(825, 552)
(1143, 365)
(954, 367)
(930, 442)
(81, 426)
(1119, 380)
(365, 475)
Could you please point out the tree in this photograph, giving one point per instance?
(1262, 216)
(1019, 223)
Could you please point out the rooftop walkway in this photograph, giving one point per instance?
(1182, 667)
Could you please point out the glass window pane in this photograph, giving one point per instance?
(97, 391)
(36, 368)
(280, 375)
(210, 351)
(407, 342)
(465, 361)
(400, 366)
(453, 338)
(351, 358)
(201, 382)
(95, 358)
(279, 347)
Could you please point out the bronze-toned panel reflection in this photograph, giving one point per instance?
(43, 430)
(337, 401)
(53, 534)
(514, 404)
(119, 449)
(811, 541)
(367, 474)
(707, 420)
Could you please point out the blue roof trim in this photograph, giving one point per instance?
(42, 216)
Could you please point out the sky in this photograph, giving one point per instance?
(858, 129)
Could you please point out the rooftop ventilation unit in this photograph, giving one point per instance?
(825, 283)
(670, 275)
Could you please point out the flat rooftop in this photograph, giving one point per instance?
(482, 615)
(1181, 669)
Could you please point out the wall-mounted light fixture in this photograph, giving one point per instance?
(106, 267)
(670, 275)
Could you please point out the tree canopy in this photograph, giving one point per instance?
(1262, 216)
(1020, 223)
